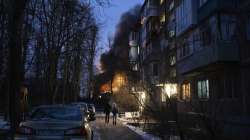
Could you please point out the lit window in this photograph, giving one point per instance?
(203, 89)
(163, 96)
(163, 18)
(161, 2)
(186, 91)
(168, 91)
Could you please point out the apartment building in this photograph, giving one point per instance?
(198, 50)
(208, 57)
(150, 49)
(243, 39)
(192, 43)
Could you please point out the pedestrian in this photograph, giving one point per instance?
(114, 111)
(107, 109)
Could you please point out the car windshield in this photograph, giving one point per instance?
(58, 113)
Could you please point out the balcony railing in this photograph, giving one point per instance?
(220, 52)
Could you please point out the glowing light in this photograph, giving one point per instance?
(170, 89)
(119, 80)
(142, 99)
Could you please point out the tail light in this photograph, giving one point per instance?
(79, 131)
(25, 130)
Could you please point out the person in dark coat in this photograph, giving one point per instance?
(114, 111)
(107, 109)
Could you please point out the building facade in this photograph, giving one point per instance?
(198, 51)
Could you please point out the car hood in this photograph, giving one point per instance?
(52, 124)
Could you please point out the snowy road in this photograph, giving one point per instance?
(104, 131)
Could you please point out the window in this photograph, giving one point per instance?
(186, 91)
(172, 60)
(203, 89)
(164, 96)
(163, 18)
(185, 16)
(230, 88)
(169, 90)
(153, 3)
(202, 2)
(161, 2)
(228, 26)
(155, 69)
(133, 36)
(206, 36)
(185, 49)
(172, 72)
(171, 6)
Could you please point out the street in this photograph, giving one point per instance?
(104, 131)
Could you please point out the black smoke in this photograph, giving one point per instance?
(117, 58)
(127, 22)
(118, 55)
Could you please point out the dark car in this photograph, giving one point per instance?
(55, 122)
(89, 109)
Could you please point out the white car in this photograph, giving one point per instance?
(55, 122)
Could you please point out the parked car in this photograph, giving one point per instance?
(83, 105)
(65, 122)
(91, 109)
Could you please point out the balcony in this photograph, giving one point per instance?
(153, 7)
(133, 39)
(186, 16)
(152, 52)
(152, 11)
(222, 52)
(215, 5)
(133, 43)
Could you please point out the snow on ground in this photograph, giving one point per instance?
(137, 130)
(97, 135)
(4, 125)
(144, 135)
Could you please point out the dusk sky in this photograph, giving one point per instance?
(111, 17)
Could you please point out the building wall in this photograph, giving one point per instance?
(186, 15)
(200, 35)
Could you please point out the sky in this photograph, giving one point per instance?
(110, 17)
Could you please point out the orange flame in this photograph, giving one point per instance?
(119, 80)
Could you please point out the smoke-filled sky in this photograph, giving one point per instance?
(111, 17)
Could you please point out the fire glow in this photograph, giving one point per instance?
(119, 80)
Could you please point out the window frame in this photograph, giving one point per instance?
(203, 89)
(186, 91)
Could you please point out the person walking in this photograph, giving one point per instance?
(107, 109)
(114, 111)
